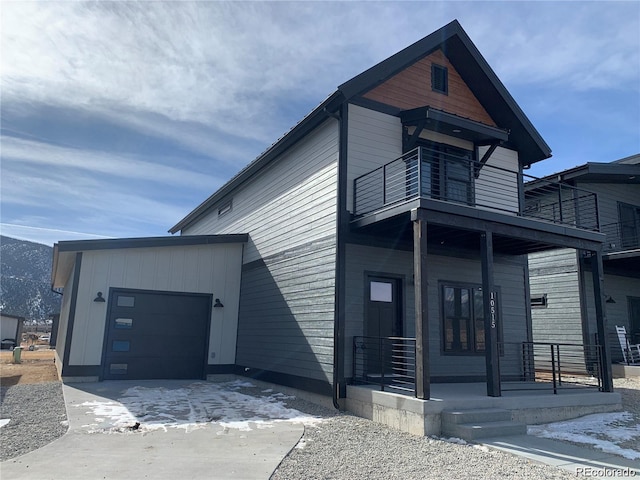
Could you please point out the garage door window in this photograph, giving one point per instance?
(124, 323)
(118, 368)
(120, 346)
(126, 301)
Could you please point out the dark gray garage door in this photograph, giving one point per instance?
(156, 335)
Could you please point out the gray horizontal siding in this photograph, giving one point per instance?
(290, 203)
(509, 278)
(608, 197)
(287, 313)
(555, 273)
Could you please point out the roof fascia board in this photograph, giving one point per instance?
(380, 72)
(306, 125)
(503, 92)
(145, 242)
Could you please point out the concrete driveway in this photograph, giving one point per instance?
(196, 430)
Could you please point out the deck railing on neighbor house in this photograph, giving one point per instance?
(390, 364)
(620, 237)
(427, 172)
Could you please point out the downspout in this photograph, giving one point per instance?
(338, 302)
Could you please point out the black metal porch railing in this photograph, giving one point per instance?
(620, 236)
(389, 362)
(539, 365)
(427, 172)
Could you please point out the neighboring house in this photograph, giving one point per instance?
(391, 217)
(10, 330)
(561, 281)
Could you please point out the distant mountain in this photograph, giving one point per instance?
(25, 279)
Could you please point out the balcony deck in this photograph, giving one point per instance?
(453, 178)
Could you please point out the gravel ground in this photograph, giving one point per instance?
(37, 417)
(341, 447)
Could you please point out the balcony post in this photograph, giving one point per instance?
(601, 320)
(423, 380)
(489, 300)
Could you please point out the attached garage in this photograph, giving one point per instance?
(148, 308)
(156, 335)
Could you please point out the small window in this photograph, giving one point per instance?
(439, 79)
(124, 301)
(224, 208)
(118, 368)
(120, 346)
(124, 323)
(381, 292)
(539, 301)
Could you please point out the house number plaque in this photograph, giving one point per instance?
(492, 304)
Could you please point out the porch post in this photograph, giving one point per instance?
(492, 357)
(423, 382)
(601, 319)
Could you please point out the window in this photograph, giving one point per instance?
(120, 346)
(539, 301)
(439, 79)
(381, 292)
(463, 319)
(446, 171)
(629, 225)
(124, 323)
(224, 208)
(124, 301)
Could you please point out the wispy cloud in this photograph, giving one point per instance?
(218, 82)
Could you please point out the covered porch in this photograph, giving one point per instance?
(510, 367)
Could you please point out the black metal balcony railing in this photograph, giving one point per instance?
(454, 177)
(620, 236)
(390, 363)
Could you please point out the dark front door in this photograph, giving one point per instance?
(383, 320)
(634, 320)
(153, 335)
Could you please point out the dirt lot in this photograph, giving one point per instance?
(36, 367)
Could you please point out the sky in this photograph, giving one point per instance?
(119, 118)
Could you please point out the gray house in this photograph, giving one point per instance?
(383, 240)
(388, 229)
(561, 280)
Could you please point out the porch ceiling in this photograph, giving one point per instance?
(460, 227)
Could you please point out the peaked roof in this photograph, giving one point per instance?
(626, 171)
(469, 63)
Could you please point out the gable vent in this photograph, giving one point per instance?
(439, 80)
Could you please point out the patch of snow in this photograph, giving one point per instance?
(457, 440)
(192, 407)
(603, 431)
(4, 421)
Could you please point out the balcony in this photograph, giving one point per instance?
(453, 176)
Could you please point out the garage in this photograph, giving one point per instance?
(156, 335)
(147, 308)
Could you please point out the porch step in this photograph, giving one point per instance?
(480, 423)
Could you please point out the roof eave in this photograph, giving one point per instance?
(308, 123)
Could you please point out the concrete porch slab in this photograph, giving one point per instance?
(625, 371)
(423, 417)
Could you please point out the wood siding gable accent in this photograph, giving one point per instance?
(411, 88)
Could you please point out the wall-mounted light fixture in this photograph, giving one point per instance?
(609, 299)
(218, 304)
(99, 298)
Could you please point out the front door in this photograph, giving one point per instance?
(383, 319)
